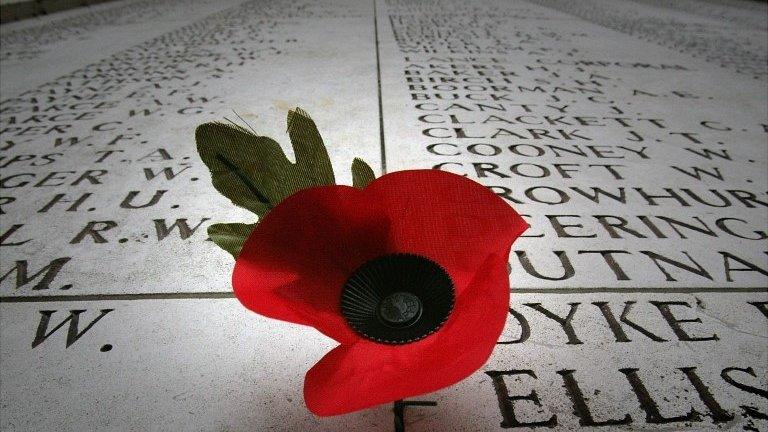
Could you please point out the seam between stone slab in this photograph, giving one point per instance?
(378, 83)
(229, 294)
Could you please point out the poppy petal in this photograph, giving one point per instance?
(364, 374)
(448, 218)
(295, 263)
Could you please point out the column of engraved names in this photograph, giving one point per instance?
(629, 184)
(105, 206)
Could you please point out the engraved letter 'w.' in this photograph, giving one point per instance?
(72, 333)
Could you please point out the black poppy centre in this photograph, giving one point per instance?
(398, 298)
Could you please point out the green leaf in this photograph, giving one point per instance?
(253, 170)
(230, 236)
(362, 174)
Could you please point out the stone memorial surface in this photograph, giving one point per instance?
(632, 136)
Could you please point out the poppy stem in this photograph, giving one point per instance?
(399, 411)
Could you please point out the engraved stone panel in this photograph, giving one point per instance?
(632, 135)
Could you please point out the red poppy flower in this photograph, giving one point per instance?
(301, 256)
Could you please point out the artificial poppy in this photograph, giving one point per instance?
(408, 274)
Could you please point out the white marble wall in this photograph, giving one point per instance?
(543, 101)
